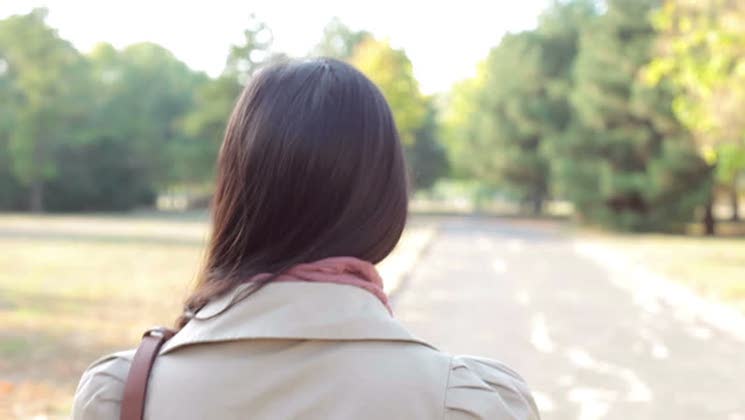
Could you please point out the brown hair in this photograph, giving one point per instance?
(311, 167)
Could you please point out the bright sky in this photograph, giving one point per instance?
(444, 39)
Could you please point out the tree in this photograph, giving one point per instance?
(702, 52)
(44, 78)
(462, 123)
(215, 99)
(514, 98)
(427, 157)
(503, 121)
(730, 167)
(391, 70)
(626, 161)
(249, 55)
(87, 133)
(144, 93)
(205, 125)
(110, 130)
(558, 38)
(339, 41)
(496, 121)
(12, 194)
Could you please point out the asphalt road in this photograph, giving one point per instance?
(589, 347)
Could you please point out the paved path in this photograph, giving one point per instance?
(589, 348)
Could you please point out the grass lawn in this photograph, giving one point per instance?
(73, 288)
(713, 267)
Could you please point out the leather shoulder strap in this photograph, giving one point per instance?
(135, 389)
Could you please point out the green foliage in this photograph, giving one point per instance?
(204, 125)
(461, 122)
(562, 111)
(339, 41)
(629, 118)
(146, 92)
(702, 47)
(246, 57)
(391, 70)
(501, 123)
(111, 129)
(44, 88)
(94, 177)
(96, 132)
(13, 196)
(730, 162)
(702, 53)
(427, 157)
(514, 107)
(626, 161)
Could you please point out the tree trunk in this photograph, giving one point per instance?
(709, 222)
(735, 201)
(36, 199)
(537, 206)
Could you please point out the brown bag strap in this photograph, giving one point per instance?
(135, 389)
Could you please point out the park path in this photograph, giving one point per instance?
(588, 347)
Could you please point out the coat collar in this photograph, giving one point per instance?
(294, 310)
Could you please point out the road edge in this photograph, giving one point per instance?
(637, 278)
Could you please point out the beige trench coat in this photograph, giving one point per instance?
(306, 351)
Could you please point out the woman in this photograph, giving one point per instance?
(289, 319)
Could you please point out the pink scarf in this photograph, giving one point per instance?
(340, 270)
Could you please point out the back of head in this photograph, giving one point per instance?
(311, 167)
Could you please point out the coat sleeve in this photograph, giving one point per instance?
(484, 389)
(101, 388)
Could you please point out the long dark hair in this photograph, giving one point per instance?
(311, 167)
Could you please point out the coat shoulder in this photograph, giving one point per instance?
(99, 393)
(480, 388)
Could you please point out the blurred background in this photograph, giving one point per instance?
(577, 171)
